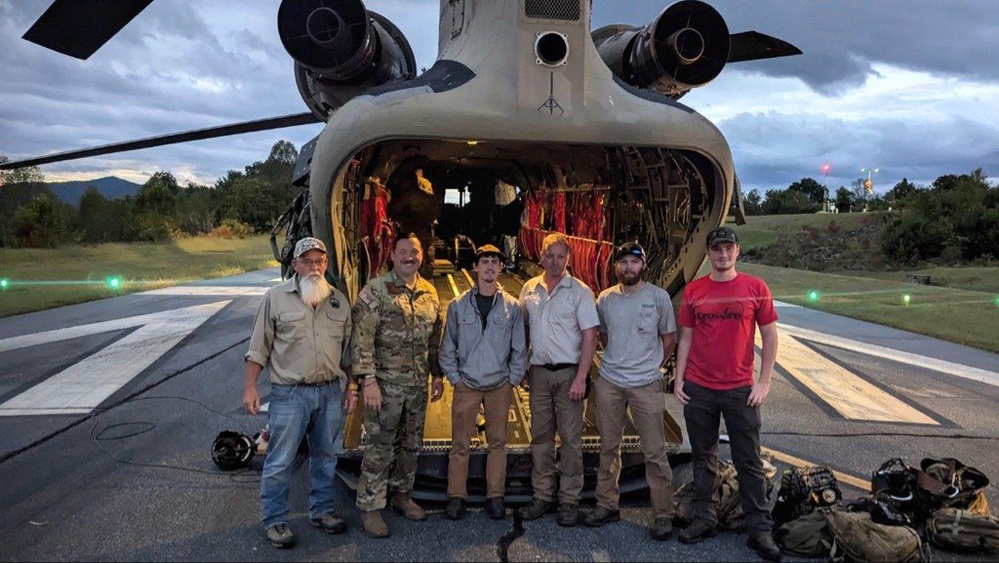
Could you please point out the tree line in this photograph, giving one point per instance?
(242, 202)
(954, 219)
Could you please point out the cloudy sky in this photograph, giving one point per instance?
(910, 87)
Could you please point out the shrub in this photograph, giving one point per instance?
(232, 228)
(154, 227)
(915, 237)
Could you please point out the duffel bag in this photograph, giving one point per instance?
(858, 538)
(955, 529)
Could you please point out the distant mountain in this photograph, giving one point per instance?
(110, 187)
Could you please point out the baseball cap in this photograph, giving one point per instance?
(722, 234)
(630, 249)
(489, 250)
(307, 244)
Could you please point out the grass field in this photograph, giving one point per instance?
(961, 304)
(44, 278)
(956, 315)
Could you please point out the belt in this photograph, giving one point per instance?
(556, 367)
(317, 384)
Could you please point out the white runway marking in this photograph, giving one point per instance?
(850, 395)
(83, 386)
(943, 366)
(208, 291)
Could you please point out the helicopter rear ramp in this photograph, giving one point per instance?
(431, 474)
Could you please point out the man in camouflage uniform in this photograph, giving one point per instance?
(396, 335)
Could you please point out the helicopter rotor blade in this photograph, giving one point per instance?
(195, 135)
(753, 45)
(79, 28)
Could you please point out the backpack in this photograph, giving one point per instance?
(960, 530)
(802, 490)
(858, 538)
(948, 483)
(728, 501)
(805, 536)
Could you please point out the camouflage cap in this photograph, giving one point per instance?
(307, 244)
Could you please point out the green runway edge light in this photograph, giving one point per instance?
(114, 282)
(813, 295)
(5, 283)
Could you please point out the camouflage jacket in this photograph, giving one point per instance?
(396, 332)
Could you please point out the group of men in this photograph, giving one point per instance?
(323, 357)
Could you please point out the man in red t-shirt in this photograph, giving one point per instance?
(714, 379)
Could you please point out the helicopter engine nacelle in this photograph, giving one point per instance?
(341, 50)
(684, 47)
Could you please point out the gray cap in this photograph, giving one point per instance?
(630, 249)
(307, 244)
(722, 234)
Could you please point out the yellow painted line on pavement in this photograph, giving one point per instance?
(468, 277)
(857, 482)
(849, 394)
(454, 286)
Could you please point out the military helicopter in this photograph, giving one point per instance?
(528, 122)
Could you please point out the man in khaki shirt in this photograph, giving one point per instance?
(561, 318)
(300, 333)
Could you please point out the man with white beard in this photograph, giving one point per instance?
(638, 330)
(300, 333)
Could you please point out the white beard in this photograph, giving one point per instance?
(313, 289)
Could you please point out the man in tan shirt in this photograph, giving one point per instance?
(561, 318)
(300, 333)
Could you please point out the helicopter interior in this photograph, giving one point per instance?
(597, 195)
(457, 195)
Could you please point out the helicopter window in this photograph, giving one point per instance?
(454, 197)
(552, 9)
(551, 48)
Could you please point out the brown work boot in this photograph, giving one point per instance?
(662, 529)
(373, 524)
(568, 514)
(404, 505)
(697, 531)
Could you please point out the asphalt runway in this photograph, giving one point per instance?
(131, 477)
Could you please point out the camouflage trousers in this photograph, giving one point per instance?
(394, 436)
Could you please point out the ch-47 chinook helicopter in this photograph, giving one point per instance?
(580, 129)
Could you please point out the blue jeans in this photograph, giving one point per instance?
(297, 412)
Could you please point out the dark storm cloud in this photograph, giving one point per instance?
(191, 64)
(898, 148)
(171, 69)
(841, 39)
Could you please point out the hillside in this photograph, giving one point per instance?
(818, 242)
(110, 187)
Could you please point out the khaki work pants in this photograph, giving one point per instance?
(647, 404)
(551, 410)
(464, 409)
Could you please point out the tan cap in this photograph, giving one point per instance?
(489, 250)
(307, 244)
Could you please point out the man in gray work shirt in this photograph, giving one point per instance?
(638, 330)
(483, 355)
